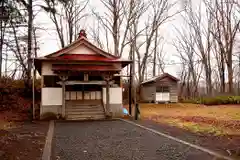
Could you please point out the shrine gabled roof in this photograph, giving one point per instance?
(81, 41)
(80, 51)
(65, 53)
(84, 58)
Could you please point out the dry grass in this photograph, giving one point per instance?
(219, 112)
(4, 125)
(180, 115)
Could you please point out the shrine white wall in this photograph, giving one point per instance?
(81, 50)
(115, 101)
(51, 101)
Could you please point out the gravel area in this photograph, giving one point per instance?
(116, 140)
(220, 144)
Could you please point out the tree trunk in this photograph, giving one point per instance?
(230, 77)
(1, 40)
(208, 79)
(155, 52)
(30, 27)
(115, 27)
(222, 74)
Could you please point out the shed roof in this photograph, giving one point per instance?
(160, 77)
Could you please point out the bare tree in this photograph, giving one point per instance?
(184, 45)
(9, 11)
(11, 15)
(117, 20)
(226, 25)
(160, 57)
(29, 46)
(66, 12)
(200, 34)
(157, 18)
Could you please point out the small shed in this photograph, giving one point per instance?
(162, 88)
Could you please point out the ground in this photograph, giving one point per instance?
(21, 140)
(214, 127)
(116, 140)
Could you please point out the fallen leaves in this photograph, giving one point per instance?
(224, 120)
(24, 142)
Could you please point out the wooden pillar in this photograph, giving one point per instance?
(42, 85)
(63, 99)
(63, 78)
(107, 78)
(107, 97)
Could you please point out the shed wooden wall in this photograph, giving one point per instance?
(148, 91)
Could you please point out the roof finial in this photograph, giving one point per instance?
(82, 33)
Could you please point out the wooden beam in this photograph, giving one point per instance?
(85, 82)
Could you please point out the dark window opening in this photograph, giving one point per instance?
(95, 78)
(117, 80)
(51, 81)
(162, 89)
(79, 77)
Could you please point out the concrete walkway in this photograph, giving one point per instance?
(116, 140)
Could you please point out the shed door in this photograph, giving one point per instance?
(162, 93)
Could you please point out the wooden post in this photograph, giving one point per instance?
(107, 97)
(63, 78)
(33, 92)
(107, 78)
(130, 92)
(63, 99)
(42, 85)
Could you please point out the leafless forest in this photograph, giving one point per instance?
(206, 42)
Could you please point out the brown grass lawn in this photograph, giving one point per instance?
(218, 120)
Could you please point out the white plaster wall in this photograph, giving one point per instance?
(47, 68)
(51, 96)
(82, 49)
(115, 95)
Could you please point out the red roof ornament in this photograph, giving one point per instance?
(82, 33)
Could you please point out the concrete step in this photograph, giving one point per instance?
(85, 109)
(69, 106)
(85, 113)
(85, 117)
(83, 104)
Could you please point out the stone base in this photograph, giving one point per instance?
(116, 110)
(56, 109)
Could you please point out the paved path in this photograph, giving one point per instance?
(116, 140)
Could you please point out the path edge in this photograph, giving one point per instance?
(47, 151)
(213, 153)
